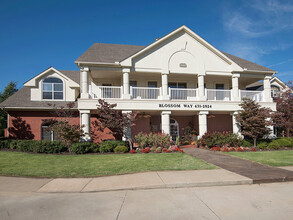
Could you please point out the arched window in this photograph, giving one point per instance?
(53, 88)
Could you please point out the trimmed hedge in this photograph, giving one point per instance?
(121, 149)
(34, 146)
(109, 146)
(84, 148)
(276, 144)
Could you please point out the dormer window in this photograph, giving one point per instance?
(53, 88)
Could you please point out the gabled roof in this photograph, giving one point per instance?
(113, 53)
(108, 53)
(71, 76)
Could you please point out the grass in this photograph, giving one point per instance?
(271, 158)
(45, 165)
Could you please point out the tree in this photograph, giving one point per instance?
(253, 120)
(116, 121)
(9, 90)
(62, 125)
(283, 117)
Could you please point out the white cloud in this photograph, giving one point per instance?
(281, 63)
(260, 18)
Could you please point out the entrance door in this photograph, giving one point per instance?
(174, 129)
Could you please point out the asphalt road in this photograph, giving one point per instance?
(265, 201)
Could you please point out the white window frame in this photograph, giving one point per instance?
(53, 99)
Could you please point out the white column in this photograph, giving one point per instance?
(165, 95)
(201, 93)
(126, 94)
(84, 76)
(85, 124)
(235, 87)
(236, 128)
(127, 131)
(267, 89)
(202, 122)
(165, 121)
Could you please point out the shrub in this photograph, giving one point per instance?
(216, 138)
(275, 145)
(284, 142)
(246, 143)
(262, 145)
(152, 140)
(4, 144)
(121, 149)
(84, 148)
(132, 151)
(109, 146)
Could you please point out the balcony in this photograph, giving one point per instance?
(148, 93)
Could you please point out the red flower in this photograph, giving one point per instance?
(132, 151)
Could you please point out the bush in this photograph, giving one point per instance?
(275, 145)
(109, 146)
(121, 149)
(284, 142)
(262, 145)
(34, 146)
(246, 143)
(4, 144)
(216, 138)
(84, 148)
(152, 140)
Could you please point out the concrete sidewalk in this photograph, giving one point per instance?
(149, 180)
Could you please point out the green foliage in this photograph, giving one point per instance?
(109, 146)
(274, 145)
(152, 140)
(220, 139)
(253, 120)
(263, 145)
(285, 142)
(121, 149)
(246, 143)
(34, 146)
(9, 90)
(84, 148)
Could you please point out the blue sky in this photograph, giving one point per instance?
(37, 34)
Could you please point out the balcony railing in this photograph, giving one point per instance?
(182, 94)
(106, 92)
(145, 92)
(218, 95)
(148, 93)
(253, 95)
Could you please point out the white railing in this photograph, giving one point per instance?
(145, 92)
(218, 94)
(106, 92)
(253, 95)
(182, 94)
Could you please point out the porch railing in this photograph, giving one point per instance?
(254, 95)
(182, 94)
(106, 92)
(218, 94)
(145, 92)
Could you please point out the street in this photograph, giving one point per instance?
(265, 201)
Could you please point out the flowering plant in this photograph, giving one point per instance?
(132, 151)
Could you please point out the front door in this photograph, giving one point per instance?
(174, 129)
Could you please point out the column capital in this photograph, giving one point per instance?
(268, 77)
(164, 72)
(84, 68)
(235, 75)
(165, 112)
(125, 70)
(85, 111)
(234, 113)
(203, 112)
(126, 111)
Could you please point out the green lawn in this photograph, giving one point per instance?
(271, 158)
(42, 165)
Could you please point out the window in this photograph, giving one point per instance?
(53, 88)
(47, 134)
(177, 85)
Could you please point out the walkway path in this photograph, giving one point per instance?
(257, 172)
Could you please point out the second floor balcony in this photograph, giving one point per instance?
(156, 93)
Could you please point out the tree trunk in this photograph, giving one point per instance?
(288, 132)
(254, 142)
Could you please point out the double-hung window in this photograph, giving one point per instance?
(53, 88)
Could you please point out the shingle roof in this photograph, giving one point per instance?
(72, 74)
(108, 53)
(22, 98)
(111, 53)
(247, 64)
